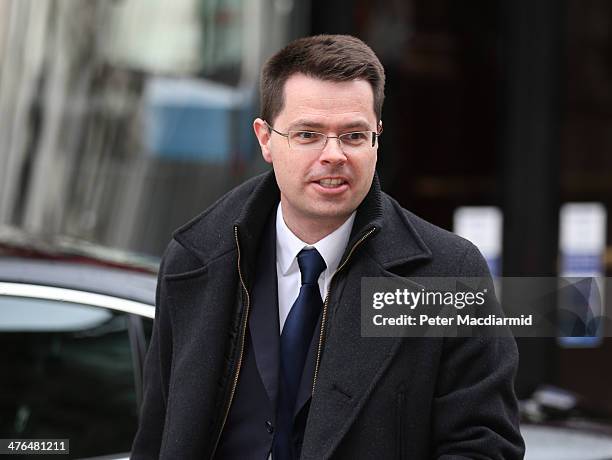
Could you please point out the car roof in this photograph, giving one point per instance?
(15, 242)
(78, 265)
(116, 282)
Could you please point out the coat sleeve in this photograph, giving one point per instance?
(148, 439)
(475, 413)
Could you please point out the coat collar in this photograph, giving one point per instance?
(395, 240)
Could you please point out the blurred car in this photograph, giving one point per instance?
(74, 325)
(558, 424)
(577, 441)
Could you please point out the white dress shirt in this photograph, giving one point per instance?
(288, 246)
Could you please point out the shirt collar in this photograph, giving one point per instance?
(331, 247)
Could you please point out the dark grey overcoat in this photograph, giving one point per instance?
(374, 398)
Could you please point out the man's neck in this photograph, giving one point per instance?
(312, 230)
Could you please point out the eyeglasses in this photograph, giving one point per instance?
(355, 142)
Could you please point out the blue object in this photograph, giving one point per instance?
(590, 299)
(197, 120)
(295, 341)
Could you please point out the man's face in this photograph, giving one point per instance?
(321, 186)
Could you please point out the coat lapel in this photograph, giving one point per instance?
(206, 319)
(264, 322)
(305, 390)
(351, 365)
(346, 377)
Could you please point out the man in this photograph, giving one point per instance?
(257, 348)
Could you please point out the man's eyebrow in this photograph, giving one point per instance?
(310, 124)
(362, 125)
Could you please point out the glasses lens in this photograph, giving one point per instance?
(356, 141)
(306, 140)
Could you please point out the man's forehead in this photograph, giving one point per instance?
(301, 86)
(314, 102)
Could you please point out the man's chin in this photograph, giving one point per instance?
(331, 213)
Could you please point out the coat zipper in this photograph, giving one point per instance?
(245, 320)
(326, 303)
(242, 339)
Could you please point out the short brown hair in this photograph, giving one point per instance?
(326, 57)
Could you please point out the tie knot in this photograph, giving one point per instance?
(311, 265)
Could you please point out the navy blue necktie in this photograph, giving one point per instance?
(295, 342)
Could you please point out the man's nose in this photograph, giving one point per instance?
(333, 153)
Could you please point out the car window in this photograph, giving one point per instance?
(67, 373)
(148, 330)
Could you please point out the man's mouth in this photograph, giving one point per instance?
(331, 183)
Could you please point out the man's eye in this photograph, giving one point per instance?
(304, 137)
(355, 138)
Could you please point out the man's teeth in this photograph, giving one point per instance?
(331, 182)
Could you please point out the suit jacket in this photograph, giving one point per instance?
(252, 420)
(415, 398)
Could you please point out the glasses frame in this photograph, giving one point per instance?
(375, 136)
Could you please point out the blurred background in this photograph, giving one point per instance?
(122, 119)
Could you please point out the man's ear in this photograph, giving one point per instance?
(263, 134)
